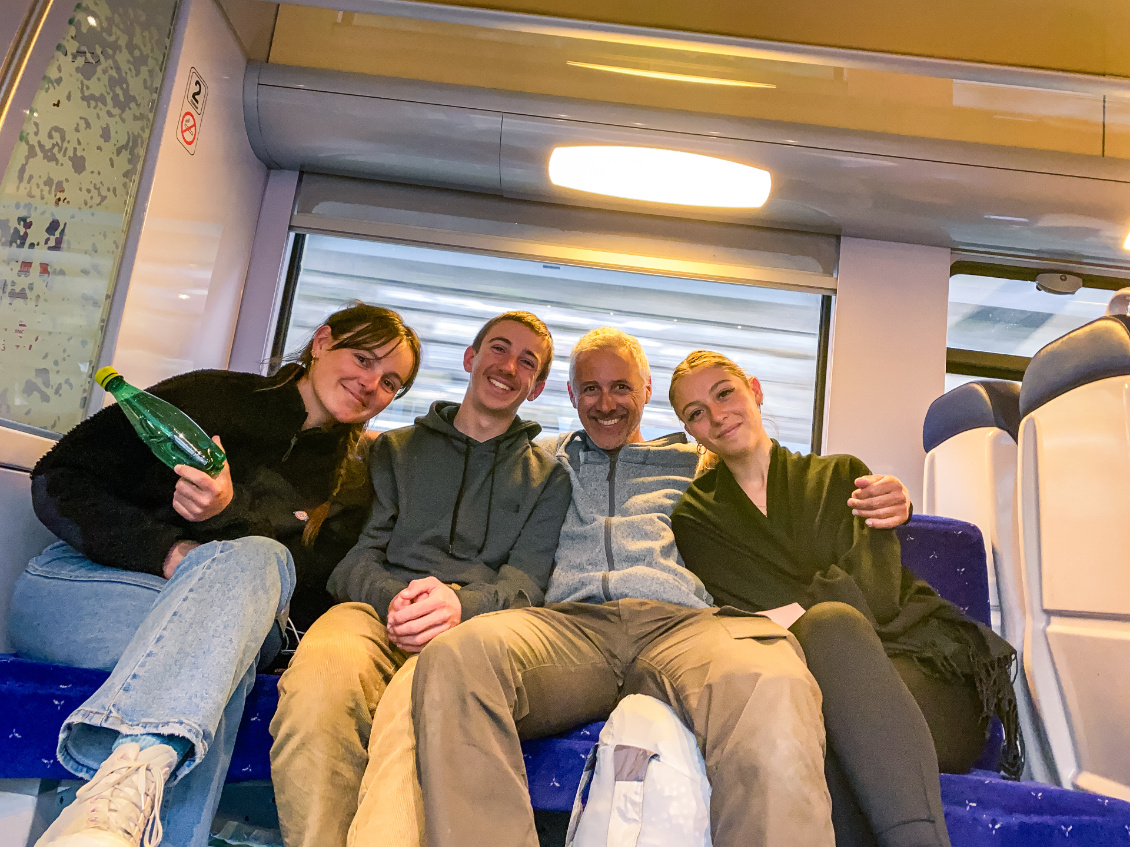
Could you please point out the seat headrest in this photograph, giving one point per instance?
(1092, 352)
(989, 402)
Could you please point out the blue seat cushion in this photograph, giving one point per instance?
(949, 555)
(36, 698)
(983, 810)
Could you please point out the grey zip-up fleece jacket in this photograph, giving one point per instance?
(482, 515)
(616, 543)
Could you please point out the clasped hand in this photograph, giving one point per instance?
(881, 500)
(422, 611)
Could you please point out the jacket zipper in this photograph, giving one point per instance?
(293, 441)
(608, 528)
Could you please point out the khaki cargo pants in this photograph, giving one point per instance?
(739, 682)
(343, 759)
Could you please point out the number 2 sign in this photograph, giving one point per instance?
(191, 113)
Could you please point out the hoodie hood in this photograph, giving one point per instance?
(441, 419)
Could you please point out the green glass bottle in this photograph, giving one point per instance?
(174, 437)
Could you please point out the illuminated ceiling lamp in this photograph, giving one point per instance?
(656, 175)
(1126, 243)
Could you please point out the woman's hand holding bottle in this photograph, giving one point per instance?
(199, 496)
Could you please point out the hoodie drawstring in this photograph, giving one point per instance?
(490, 500)
(459, 497)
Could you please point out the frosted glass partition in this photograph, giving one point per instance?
(446, 296)
(65, 200)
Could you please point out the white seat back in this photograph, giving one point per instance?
(970, 440)
(1073, 490)
(969, 436)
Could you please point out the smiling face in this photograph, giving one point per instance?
(721, 411)
(351, 385)
(609, 393)
(505, 370)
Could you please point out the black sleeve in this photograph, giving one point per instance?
(867, 564)
(84, 491)
(102, 491)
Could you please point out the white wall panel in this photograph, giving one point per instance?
(888, 354)
(192, 255)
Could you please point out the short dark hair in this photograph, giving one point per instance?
(526, 319)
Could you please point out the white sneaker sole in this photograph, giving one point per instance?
(86, 839)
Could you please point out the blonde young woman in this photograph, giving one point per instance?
(172, 580)
(908, 681)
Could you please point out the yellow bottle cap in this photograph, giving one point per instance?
(104, 375)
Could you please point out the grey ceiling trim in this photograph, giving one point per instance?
(733, 46)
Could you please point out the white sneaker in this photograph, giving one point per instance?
(121, 805)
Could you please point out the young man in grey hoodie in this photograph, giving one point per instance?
(465, 520)
(625, 617)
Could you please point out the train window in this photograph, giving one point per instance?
(998, 319)
(447, 295)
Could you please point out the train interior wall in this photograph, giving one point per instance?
(202, 229)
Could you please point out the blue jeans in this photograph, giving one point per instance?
(182, 656)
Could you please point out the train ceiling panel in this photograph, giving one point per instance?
(1082, 36)
(874, 145)
(727, 78)
(972, 196)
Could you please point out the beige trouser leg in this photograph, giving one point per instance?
(738, 682)
(390, 809)
(321, 729)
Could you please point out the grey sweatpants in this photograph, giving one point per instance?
(738, 682)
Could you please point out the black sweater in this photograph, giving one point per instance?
(102, 491)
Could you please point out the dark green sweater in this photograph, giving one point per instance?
(809, 548)
(482, 515)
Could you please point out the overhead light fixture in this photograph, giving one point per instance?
(702, 80)
(657, 175)
(1126, 243)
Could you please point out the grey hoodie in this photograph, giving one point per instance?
(616, 542)
(482, 515)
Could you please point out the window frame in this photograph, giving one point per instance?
(978, 363)
(294, 268)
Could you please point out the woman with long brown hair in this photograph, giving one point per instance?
(174, 581)
(908, 680)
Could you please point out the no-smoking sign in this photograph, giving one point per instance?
(192, 111)
(188, 131)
